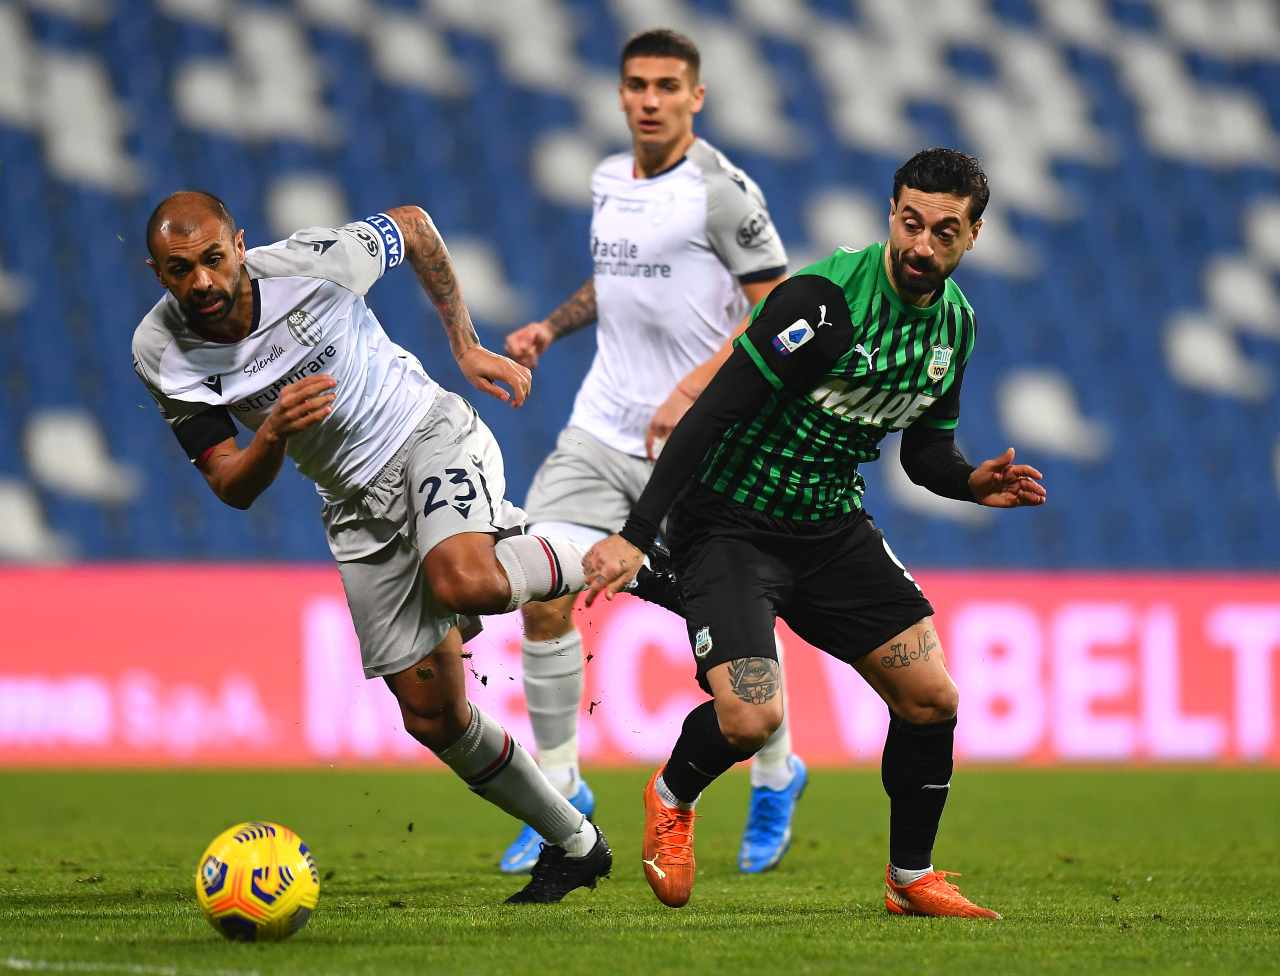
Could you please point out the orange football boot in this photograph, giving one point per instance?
(668, 848)
(931, 895)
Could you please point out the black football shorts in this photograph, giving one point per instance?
(835, 582)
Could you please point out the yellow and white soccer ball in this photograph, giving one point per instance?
(257, 882)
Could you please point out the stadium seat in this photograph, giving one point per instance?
(1127, 280)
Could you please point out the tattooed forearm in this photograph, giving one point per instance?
(900, 657)
(425, 249)
(754, 679)
(577, 311)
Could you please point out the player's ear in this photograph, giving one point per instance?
(973, 233)
(699, 95)
(238, 242)
(151, 263)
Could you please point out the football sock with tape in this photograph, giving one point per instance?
(700, 755)
(540, 567)
(916, 772)
(553, 689)
(495, 766)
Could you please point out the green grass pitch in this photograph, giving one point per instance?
(1147, 870)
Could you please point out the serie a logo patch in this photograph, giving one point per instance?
(793, 337)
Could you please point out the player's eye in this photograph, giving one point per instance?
(213, 260)
(947, 236)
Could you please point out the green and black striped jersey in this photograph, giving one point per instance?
(849, 361)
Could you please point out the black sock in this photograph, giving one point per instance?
(916, 763)
(701, 754)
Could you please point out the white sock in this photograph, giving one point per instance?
(771, 766)
(497, 767)
(540, 567)
(553, 689)
(772, 774)
(903, 876)
(669, 798)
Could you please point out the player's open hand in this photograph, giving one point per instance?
(664, 422)
(485, 370)
(1000, 483)
(527, 343)
(610, 565)
(301, 405)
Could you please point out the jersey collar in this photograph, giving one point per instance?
(662, 172)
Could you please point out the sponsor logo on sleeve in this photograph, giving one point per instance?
(793, 337)
(392, 242)
(755, 229)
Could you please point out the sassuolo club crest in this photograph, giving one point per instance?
(939, 362)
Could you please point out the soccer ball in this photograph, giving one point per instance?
(257, 882)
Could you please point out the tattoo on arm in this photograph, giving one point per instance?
(429, 257)
(576, 311)
(754, 679)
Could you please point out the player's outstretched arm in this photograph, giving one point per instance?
(239, 475)
(529, 342)
(427, 254)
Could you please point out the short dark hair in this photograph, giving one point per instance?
(662, 42)
(940, 170)
(158, 215)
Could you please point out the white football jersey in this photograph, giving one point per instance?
(309, 316)
(669, 253)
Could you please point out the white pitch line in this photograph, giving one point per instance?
(45, 966)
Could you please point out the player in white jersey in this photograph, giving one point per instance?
(683, 247)
(280, 338)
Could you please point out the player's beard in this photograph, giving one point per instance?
(228, 299)
(930, 282)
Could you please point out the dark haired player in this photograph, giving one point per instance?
(683, 247)
(771, 519)
(280, 338)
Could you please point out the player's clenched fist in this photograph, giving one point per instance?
(526, 344)
(302, 404)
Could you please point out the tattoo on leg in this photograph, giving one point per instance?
(754, 679)
(897, 657)
(424, 674)
(900, 657)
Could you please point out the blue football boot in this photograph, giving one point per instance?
(522, 855)
(768, 832)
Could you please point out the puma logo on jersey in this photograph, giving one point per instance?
(656, 870)
(861, 350)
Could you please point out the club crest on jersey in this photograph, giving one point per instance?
(702, 642)
(794, 336)
(939, 363)
(303, 326)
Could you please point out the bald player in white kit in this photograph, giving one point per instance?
(683, 247)
(280, 338)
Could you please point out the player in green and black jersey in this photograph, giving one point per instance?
(770, 522)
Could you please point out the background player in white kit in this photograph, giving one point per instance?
(412, 480)
(683, 247)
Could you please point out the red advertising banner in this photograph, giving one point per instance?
(259, 666)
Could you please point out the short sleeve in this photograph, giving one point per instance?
(197, 426)
(740, 229)
(799, 333)
(354, 255)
